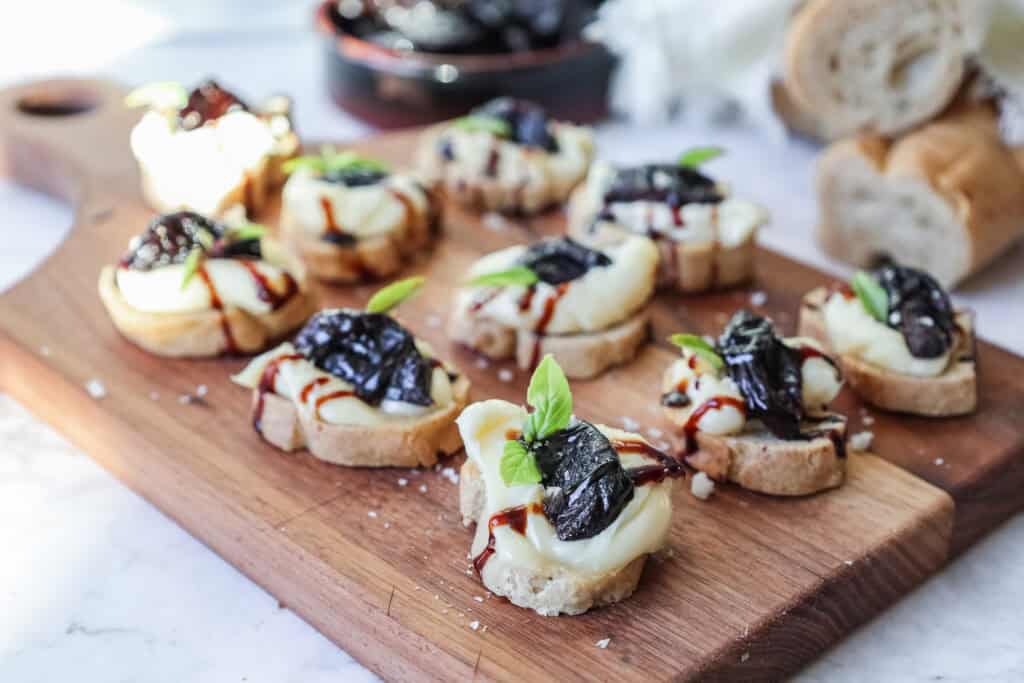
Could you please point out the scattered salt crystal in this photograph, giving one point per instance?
(861, 441)
(372, 514)
(603, 643)
(867, 420)
(450, 474)
(185, 399)
(629, 424)
(505, 375)
(494, 221)
(482, 363)
(758, 298)
(478, 598)
(387, 525)
(423, 488)
(154, 396)
(939, 461)
(701, 486)
(655, 433)
(96, 389)
(433, 321)
(44, 350)
(201, 390)
(848, 563)
(744, 657)
(663, 446)
(402, 481)
(474, 624)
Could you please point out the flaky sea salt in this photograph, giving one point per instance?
(423, 488)
(629, 424)
(96, 389)
(861, 441)
(372, 514)
(402, 481)
(939, 461)
(202, 390)
(758, 298)
(450, 474)
(603, 643)
(506, 375)
(474, 624)
(493, 220)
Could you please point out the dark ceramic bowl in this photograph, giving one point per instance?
(392, 89)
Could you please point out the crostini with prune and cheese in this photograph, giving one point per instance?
(584, 306)
(706, 238)
(753, 408)
(352, 219)
(191, 286)
(357, 388)
(506, 156)
(901, 343)
(566, 511)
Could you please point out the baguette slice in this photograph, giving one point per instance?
(407, 443)
(872, 65)
(955, 392)
(547, 590)
(946, 198)
(203, 334)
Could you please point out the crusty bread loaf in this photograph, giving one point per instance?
(758, 460)
(947, 198)
(547, 590)
(871, 65)
(954, 392)
(203, 334)
(581, 356)
(412, 442)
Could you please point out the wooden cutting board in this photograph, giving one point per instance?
(754, 587)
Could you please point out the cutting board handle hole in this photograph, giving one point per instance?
(51, 103)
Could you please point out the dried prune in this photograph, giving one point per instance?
(560, 260)
(919, 308)
(673, 184)
(207, 102)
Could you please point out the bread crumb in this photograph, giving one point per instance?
(758, 298)
(861, 441)
(402, 481)
(630, 425)
(96, 389)
(506, 375)
(701, 486)
(939, 461)
(603, 643)
(474, 624)
(423, 488)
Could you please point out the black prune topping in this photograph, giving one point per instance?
(918, 308)
(670, 183)
(767, 372)
(560, 260)
(354, 176)
(528, 121)
(168, 239)
(587, 486)
(370, 351)
(208, 102)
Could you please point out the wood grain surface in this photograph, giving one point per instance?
(754, 586)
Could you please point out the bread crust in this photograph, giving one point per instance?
(683, 266)
(581, 356)
(408, 443)
(203, 334)
(945, 198)
(549, 591)
(954, 392)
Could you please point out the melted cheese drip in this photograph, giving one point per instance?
(852, 330)
(295, 375)
(640, 528)
(602, 297)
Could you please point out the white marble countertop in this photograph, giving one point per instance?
(100, 586)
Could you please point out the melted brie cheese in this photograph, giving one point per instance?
(304, 384)
(640, 528)
(601, 298)
(159, 290)
(363, 211)
(852, 330)
(196, 168)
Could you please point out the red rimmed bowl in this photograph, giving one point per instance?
(393, 89)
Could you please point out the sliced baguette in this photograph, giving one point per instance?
(549, 591)
(954, 392)
(203, 334)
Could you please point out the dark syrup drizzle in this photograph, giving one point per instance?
(266, 384)
(514, 518)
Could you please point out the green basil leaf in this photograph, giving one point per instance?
(192, 263)
(699, 346)
(347, 160)
(484, 124)
(394, 294)
(248, 231)
(311, 163)
(161, 95)
(518, 465)
(551, 399)
(693, 158)
(871, 294)
(519, 275)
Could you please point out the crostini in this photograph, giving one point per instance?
(705, 237)
(566, 511)
(585, 307)
(207, 150)
(753, 408)
(190, 286)
(352, 219)
(357, 388)
(900, 342)
(507, 156)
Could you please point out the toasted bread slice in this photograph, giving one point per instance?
(954, 392)
(203, 334)
(549, 591)
(582, 356)
(759, 461)
(412, 442)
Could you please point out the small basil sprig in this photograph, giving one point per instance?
(247, 231)
(394, 294)
(331, 161)
(476, 123)
(551, 400)
(871, 294)
(192, 263)
(700, 347)
(517, 275)
(693, 158)
(161, 95)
